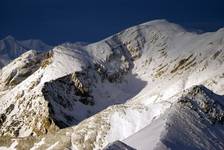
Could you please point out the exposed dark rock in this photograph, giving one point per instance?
(118, 145)
(2, 118)
(205, 103)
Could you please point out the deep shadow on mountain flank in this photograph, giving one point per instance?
(70, 98)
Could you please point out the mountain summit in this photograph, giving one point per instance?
(10, 48)
(151, 86)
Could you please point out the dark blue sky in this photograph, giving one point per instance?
(57, 21)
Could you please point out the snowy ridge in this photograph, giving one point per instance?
(195, 121)
(10, 48)
(110, 90)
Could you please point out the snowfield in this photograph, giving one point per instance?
(151, 86)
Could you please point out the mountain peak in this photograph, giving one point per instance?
(10, 48)
(9, 37)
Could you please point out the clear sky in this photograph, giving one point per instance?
(57, 21)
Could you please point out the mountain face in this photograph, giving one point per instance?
(194, 121)
(10, 48)
(152, 86)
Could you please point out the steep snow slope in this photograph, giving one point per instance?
(195, 121)
(143, 70)
(10, 48)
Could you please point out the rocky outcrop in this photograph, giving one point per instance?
(118, 145)
(207, 104)
(20, 69)
(63, 96)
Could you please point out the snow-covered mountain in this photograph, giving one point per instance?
(194, 121)
(152, 86)
(10, 48)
